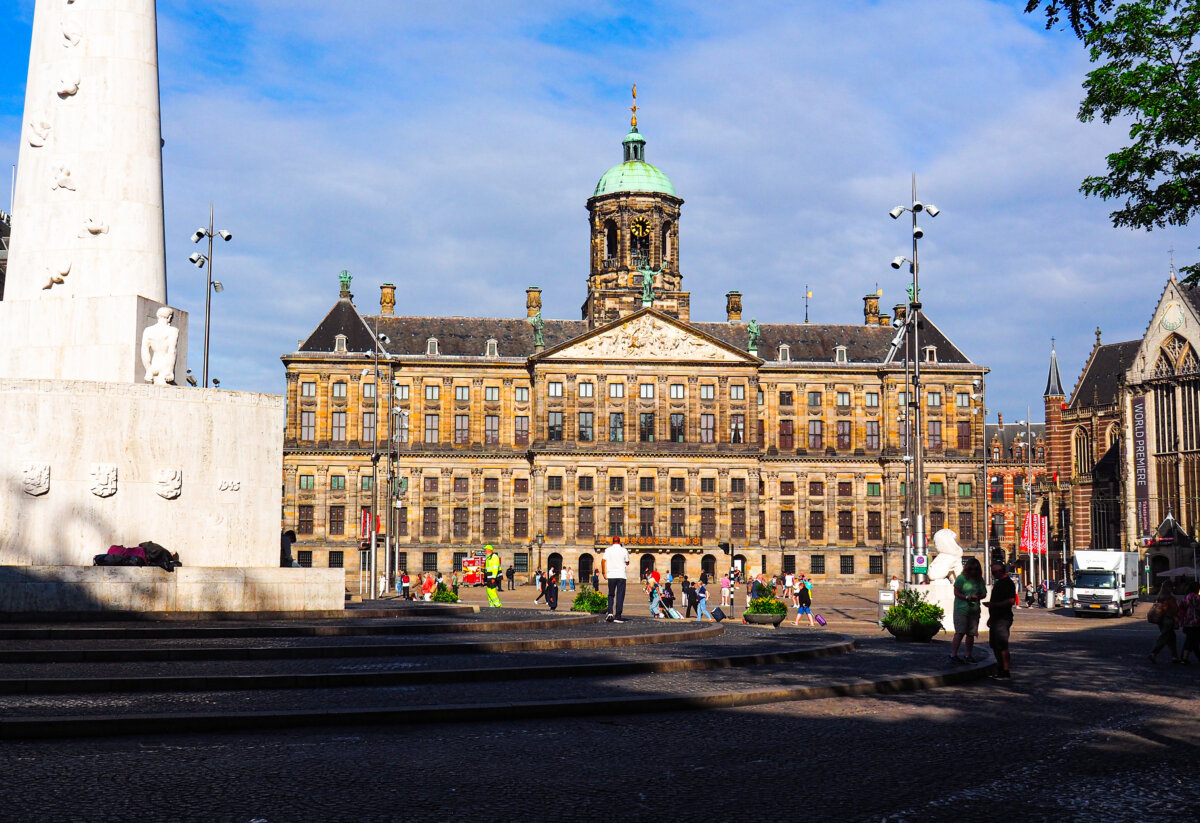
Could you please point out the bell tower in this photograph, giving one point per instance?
(634, 218)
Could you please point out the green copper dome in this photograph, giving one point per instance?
(635, 174)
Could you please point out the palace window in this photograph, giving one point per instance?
(307, 482)
(646, 391)
(337, 482)
(933, 399)
(339, 391)
(678, 391)
(646, 484)
(616, 483)
(872, 433)
(646, 522)
(708, 428)
(737, 392)
(816, 439)
(737, 485)
(875, 526)
(707, 391)
(646, 427)
(308, 425)
(935, 434)
(368, 391)
(308, 389)
(677, 428)
(460, 521)
(554, 388)
(304, 519)
(367, 482)
(429, 483)
(521, 394)
(845, 525)
(785, 398)
(847, 563)
(816, 488)
(816, 525)
(677, 522)
(586, 525)
(708, 523)
(787, 488)
(616, 427)
(400, 428)
(708, 485)
(585, 482)
(554, 482)
(874, 488)
(737, 428)
(786, 439)
(462, 429)
(814, 398)
(843, 435)
(845, 488)
(431, 428)
(521, 430)
(339, 425)
(737, 524)
(429, 522)
(521, 485)
(817, 564)
(554, 426)
(964, 489)
(433, 392)
(966, 526)
(491, 394)
(843, 400)
(337, 520)
(586, 430)
(491, 429)
(616, 390)
(616, 521)
(520, 522)
(554, 521)
(787, 524)
(871, 399)
(400, 392)
(964, 435)
(461, 485)
(491, 485)
(462, 394)
(402, 523)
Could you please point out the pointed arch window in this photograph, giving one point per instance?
(611, 251)
(1081, 444)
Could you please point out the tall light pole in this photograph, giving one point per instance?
(379, 342)
(1035, 570)
(912, 328)
(199, 260)
(980, 395)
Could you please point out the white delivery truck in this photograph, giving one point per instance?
(1106, 582)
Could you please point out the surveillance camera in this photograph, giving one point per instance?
(216, 383)
(975, 382)
(896, 212)
(932, 210)
(384, 339)
(197, 260)
(918, 206)
(918, 233)
(225, 235)
(907, 458)
(199, 235)
(897, 262)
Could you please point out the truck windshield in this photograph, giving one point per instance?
(1095, 580)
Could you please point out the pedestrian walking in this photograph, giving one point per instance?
(687, 596)
(969, 591)
(1189, 619)
(614, 565)
(383, 587)
(510, 576)
(668, 597)
(595, 580)
(655, 591)
(427, 587)
(552, 589)
(1167, 608)
(1029, 593)
(1000, 617)
(571, 578)
(491, 575)
(539, 580)
(803, 602)
(702, 611)
(404, 584)
(894, 584)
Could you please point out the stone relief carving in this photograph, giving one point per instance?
(230, 486)
(104, 479)
(56, 273)
(159, 345)
(62, 179)
(39, 132)
(647, 336)
(168, 483)
(71, 37)
(93, 227)
(68, 85)
(35, 478)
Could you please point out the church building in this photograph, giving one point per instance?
(547, 437)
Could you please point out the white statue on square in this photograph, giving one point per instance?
(159, 345)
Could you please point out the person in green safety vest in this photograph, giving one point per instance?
(492, 575)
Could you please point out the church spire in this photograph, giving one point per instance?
(1053, 381)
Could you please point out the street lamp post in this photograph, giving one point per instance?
(981, 396)
(539, 540)
(912, 333)
(199, 260)
(373, 564)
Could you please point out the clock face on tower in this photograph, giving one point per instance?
(640, 227)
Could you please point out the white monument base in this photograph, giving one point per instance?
(95, 338)
(66, 589)
(85, 465)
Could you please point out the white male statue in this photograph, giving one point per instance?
(159, 344)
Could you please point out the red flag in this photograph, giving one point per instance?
(1027, 537)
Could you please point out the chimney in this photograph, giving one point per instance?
(900, 311)
(733, 306)
(1000, 419)
(884, 320)
(387, 299)
(533, 300)
(871, 309)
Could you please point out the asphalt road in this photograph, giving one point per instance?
(1088, 730)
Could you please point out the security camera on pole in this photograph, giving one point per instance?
(913, 416)
(199, 260)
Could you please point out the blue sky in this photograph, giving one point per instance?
(450, 148)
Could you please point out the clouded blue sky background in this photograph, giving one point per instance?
(450, 148)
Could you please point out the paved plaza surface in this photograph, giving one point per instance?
(1087, 730)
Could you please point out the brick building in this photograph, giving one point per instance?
(632, 421)
(1013, 464)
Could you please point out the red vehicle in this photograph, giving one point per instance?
(472, 569)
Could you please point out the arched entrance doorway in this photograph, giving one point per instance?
(678, 565)
(1158, 563)
(708, 566)
(585, 569)
(739, 563)
(646, 566)
(554, 561)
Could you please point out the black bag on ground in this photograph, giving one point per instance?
(156, 555)
(116, 560)
(718, 615)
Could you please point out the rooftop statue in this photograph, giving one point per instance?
(755, 334)
(539, 329)
(647, 284)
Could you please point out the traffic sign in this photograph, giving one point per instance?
(920, 564)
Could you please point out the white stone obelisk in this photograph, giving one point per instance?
(86, 268)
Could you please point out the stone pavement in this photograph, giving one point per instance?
(1087, 730)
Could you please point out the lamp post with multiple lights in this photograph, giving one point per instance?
(199, 260)
(912, 325)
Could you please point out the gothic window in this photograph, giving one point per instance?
(666, 244)
(1082, 447)
(610, 243)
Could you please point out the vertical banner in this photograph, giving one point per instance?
(1043, 543)
(1141, 467)
(1027, 534)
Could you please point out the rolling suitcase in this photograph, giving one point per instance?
(674, 614)
(820, 620)
(718, 615)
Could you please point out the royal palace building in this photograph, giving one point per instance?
(546, 438)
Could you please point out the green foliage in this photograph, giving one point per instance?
(766, 605)
(588, 599)
(443, 595)
(912, 609)
(1149, 74)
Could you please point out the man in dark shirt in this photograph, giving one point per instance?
(1000, 620)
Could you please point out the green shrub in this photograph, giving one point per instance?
(912, 609)
(766, 605)
(588, 599)
(443, 595)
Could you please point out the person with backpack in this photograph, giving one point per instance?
(1165, 613)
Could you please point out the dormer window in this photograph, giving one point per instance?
(493, 348)
(339, 343)
(839, 354)
(930, 354)
(431, 347)
(785, 352)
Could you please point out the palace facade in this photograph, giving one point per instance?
(546, 438)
